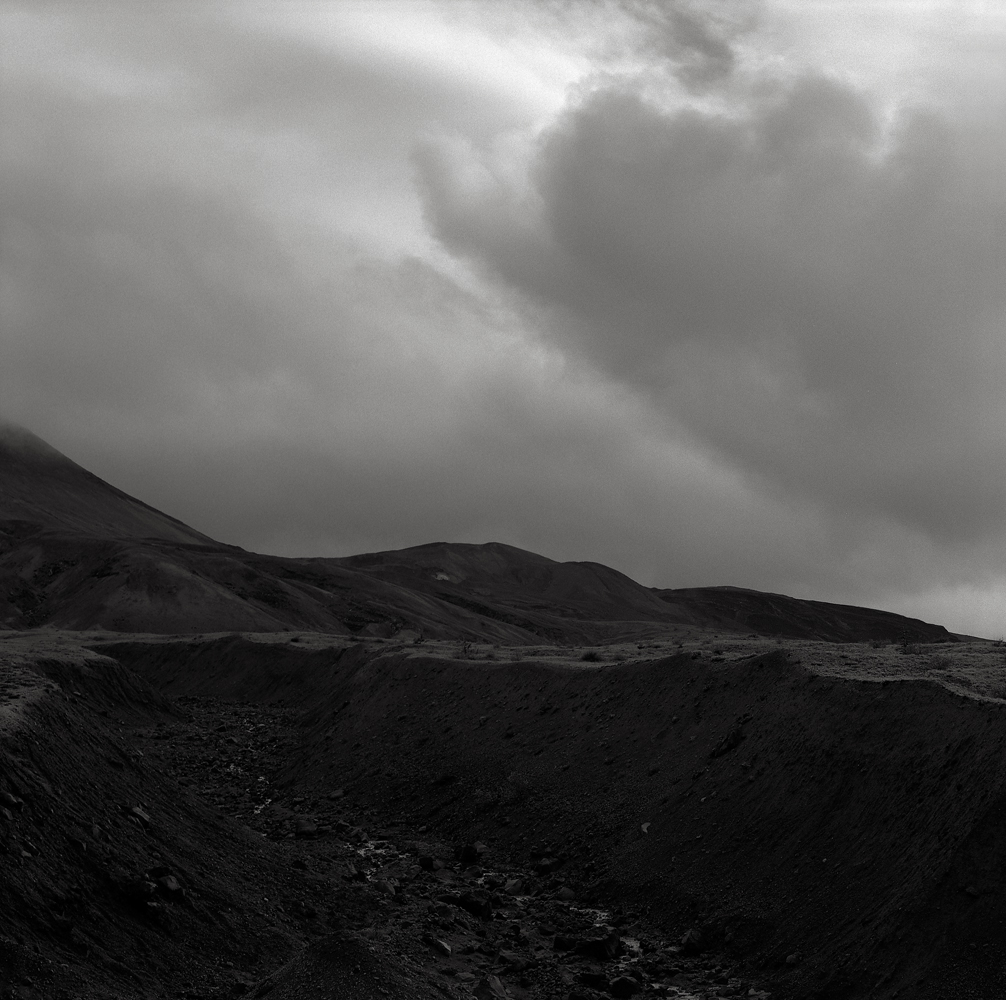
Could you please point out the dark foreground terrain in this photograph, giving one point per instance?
(311, 816)
(469, 770)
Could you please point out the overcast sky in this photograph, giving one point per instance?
(713, 293)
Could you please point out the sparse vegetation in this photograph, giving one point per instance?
(591, 656)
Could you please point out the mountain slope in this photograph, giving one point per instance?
(77, 553)
(41, 486)
(743, 610)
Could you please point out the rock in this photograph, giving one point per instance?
(604, 949)
(562, 942)
(441, 947)
(170, 888)
(337, 794)
(141, 815)
(622, 987)
(692, 942)
(515, 964)
(514, 886)
(794, 959)
(595, 980)
(427, 863)
(477, 904)
(490, 988)
(470, 854)
(732, 740)
(11, 801)
(385, 887)
(545, 866)
(566, 894)
(645, 828)
(305, 827)
(139, 891)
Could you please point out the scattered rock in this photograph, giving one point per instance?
(623, 987)
(439, 946)
(304, 826)
(477, 904)
(603, 949)
(692, 942)
(11, 801)
(470, 854)
(545, 866)
(490, 988)
(170, 888)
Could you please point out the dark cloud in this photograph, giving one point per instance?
(695, 38)
(814, 295)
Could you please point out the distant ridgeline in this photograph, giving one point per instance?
(77, 553)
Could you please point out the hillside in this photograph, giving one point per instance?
(77, 553)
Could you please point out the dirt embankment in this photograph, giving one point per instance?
(845, 834)
(116, 881)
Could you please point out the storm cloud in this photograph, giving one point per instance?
(630, 282)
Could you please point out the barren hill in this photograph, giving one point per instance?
(42, 488)
(77, 553)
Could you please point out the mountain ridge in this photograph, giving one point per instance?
(78, 553)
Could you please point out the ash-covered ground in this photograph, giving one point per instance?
(304, 815)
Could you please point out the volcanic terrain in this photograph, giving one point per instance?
(468, 770)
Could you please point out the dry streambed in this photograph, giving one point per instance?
(461, 917)
(815, 816)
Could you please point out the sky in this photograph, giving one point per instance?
(710, 292)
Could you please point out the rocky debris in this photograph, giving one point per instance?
(11, 802)
(490, 988)
(693, 942)
(305, 827)
(732, 739)
(139, 816)
(603, 947)
(477, 904)
(471, 854)
(438, 945)
(623, 987)
(166, 884)
(545, 866)
(476, 925)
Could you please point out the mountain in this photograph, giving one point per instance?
(77, 553)
(42, 487)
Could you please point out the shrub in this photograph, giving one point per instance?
(591, 656)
